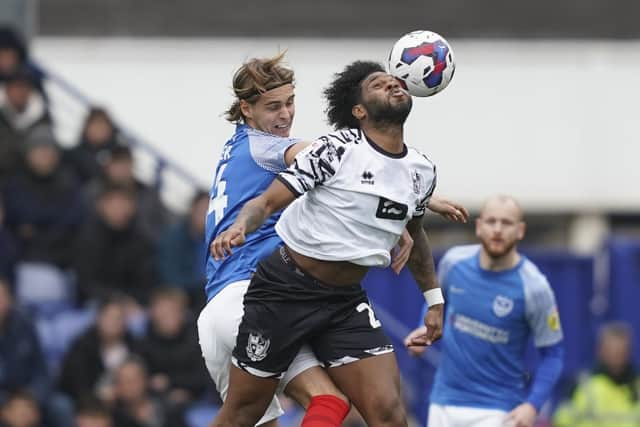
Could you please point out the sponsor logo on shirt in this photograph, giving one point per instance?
(456, 290)
(480, 330)
(553, 320)
(502, 306)
(367, 178)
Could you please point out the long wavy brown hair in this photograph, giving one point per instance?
(255, 77)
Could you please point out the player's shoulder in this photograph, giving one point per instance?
(259, 138)
(460, 253)
(534, 281)
(456, 255)
(419, 156)
(342, 137)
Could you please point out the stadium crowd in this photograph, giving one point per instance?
(100, 283)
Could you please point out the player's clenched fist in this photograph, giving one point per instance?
(222, 244)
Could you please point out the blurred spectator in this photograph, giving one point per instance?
(8, 249)
(93, 414)
(119, 170)
(89, 365)
(181, 252)
(20, 410)
(135, 407)
(171, 349)
(13, 53)
(112, 254)
(608, 396)
(21, 358)
(43, 202)
(21, 109)
(99, 136)
(21, 105)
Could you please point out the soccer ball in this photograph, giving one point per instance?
(423, 62)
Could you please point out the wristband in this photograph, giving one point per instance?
(433, 297)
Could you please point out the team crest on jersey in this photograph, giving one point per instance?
(418, 182)
(257, 347)
(502, 306)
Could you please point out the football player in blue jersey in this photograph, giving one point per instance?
(496, 300)
(259, 149)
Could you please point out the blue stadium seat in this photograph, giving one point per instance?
(200, 414)
(58, 332)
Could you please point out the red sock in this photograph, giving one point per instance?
(325, 411)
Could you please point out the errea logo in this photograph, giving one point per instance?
(367, 178)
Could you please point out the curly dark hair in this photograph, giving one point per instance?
(345, 91)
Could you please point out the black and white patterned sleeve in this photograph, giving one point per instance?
(422, 205)
(315, 165)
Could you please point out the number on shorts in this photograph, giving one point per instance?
(375, 323)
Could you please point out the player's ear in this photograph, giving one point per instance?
(245, 109)
(478, 223)
(522, 228)
(359, 112)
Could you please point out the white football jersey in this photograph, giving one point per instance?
(356, 198)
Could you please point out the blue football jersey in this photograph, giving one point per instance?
(489, 318)
(249, 162)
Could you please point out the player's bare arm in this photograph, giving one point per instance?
(293, 151)
(253, 214)
(423, 270)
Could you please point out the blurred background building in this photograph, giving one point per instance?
(543, 106)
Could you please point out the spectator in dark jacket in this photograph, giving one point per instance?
(8, 248)
(14, 55)
(99, 136)
(22, 362)
(22, 109)
(43, 202)
(119, 170)
(13, 52)
(135, 407)
(112, 254)
(170, 348)
(181, 252)
(89, 365)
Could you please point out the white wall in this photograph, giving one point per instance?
(554, 123)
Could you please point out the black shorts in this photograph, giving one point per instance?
(285, 308)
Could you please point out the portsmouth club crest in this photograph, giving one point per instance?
(257, 346)
(502, 306)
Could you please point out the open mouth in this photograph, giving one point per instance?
(282, 128)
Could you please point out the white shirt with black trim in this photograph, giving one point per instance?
(356, 198)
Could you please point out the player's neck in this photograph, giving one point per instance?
(501, 263)
(389, 138)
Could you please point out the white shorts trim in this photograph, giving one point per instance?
(465, 416)
(217, 331)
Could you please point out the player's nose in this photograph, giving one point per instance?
(285, 113)
(392, 82)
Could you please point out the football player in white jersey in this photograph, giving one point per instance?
(355, 191)
(263, 112)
